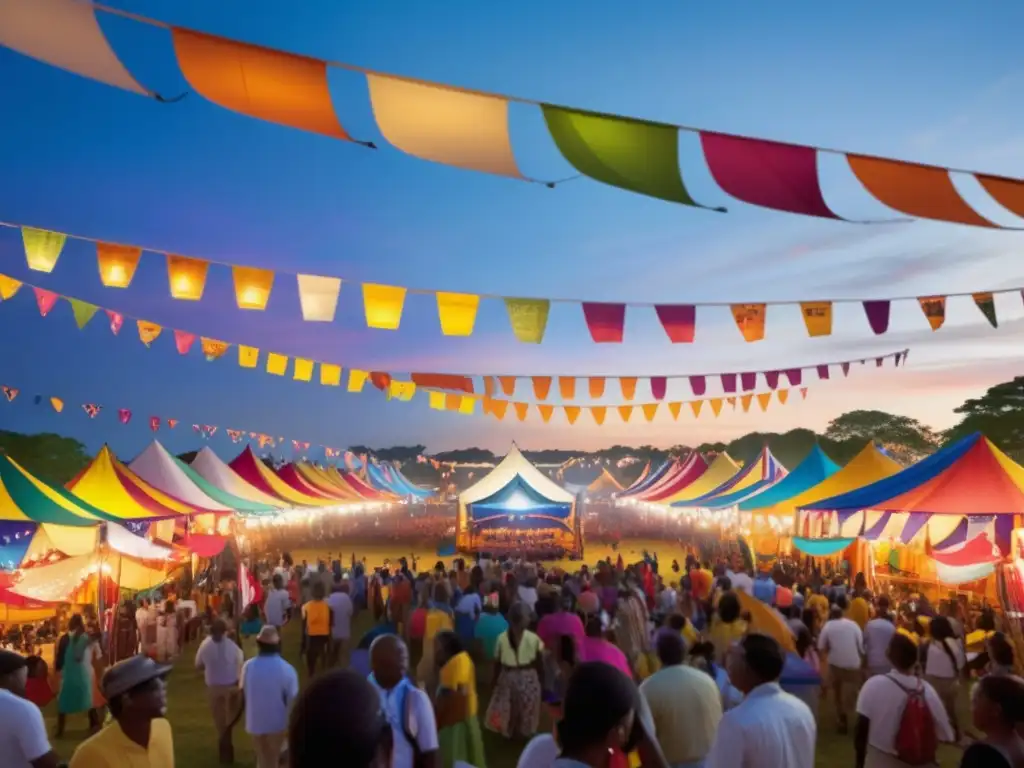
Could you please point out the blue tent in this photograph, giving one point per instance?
(815, 468)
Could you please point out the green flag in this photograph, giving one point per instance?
(986, 303)
(83, 311)
(529, 318)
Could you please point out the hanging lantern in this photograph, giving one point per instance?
(187, 277)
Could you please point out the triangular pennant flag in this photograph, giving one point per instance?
(42, 248)
(934, 308)
(521, 410)
(567, 387)
(172, 423)
(45, 300)
(986, 303)
(750, 319)
(154, 423)
(10, 393)
(116, 321)
(745, 401)
(117, 264)
(659, 386)
(183, 340)
(572, 412)
(650, 411)
(783, 396)
(596, 387)
(731, 401)
(236, 435)
(878, 315)
(330, 375)
(488, 386)
(148, 332)
(303, 370)
(83, 312)
(673, 409)
(8, 287)
(679, 321)
(124, 415)
(598, 412)
(541, 386)
(57, 404)
(605, 321)
(91, 409)
(499, 408)
(817, 317)
(318, 297)
(248, 357)
(763, 398)
(529, 318)
(695, 406)
(277, 364)
(457, 312)
(252, 287)
(213, 348)
(357, 379)
(628, 386)
(803, 393)
(716, 405)
(546, 412)
(795, 376)
(845, 368)
(625, 411)
(508, 385)
(383, 306)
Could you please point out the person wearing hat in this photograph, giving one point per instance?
(140, 735)
(23, 740)
(269, 686)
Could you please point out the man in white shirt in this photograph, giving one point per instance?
(528, 592)
(277, 603)
(407, 708)
(668, 600)
(771, 727)
(341, 621)
(220, 661)
(742, 581)
(23, 740)
(877, 634)
(881, 703)
(843, 641)
(270, 685)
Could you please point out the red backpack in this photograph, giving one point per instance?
(916, 742)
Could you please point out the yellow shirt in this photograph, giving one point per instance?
(818, 604)
(523, 656)
(318, 618)
(437, 620)
(110, 748)
(859, 611)
(723, 635)
(690, 635)
(459, 674)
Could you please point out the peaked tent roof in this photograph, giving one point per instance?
(316, 477)
(364, 489)
(108, 484)
(605, 482)
(217, 473)
(651, 477)
(237, 502)
(687, 474)
(754, 477)
(25, 498)
(815, 467)
(291, 475)
(642, 476)
(968, 477)
(156, 466)
(508, 469)
(410, 488)
(255, 472)
(721, 470)
(863, 469)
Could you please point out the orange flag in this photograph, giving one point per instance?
(117, 263)
(545, 412)
(567, 387)
(489, 386)
(716, 405)
(498, 408)
(628, 384)
(596, 387)
(650, 411)
(745, 401)
(763, 399)
(783, 396)
(270, 85)
(452, 402)
(695, 406)
(521, 410)
(817, 317)
(625, 411)
(674, 409)
(541, 387)
(572, 412)
(750, 320)
(598, 412)
(934, 308)
(508, 385)
(148, 331)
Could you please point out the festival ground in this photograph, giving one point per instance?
(188, 711)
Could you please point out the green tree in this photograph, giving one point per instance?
(998, 414)
(905, 438)
(51, 458)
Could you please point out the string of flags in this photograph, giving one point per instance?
(439, 385)
(384, 305)
(470, 128)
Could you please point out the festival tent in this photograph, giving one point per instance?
(382, 478)
(815, 468)
(604, 484)
(514, 494)
(56, 582)
(209, 466)
(296, 482)
(408, 488)
(649, 478)
(251, 469)
(754, 477)
(360, 486)
(721, 470)
(970, 479)
(687, 473)
(640, 478)
(316, 477)
(156, 466)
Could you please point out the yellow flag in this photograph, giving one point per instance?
(695, 406)
(716, 405)
(436, 400)
(457, 312)
(467, 406)
(383, 305)
(57, 403)
(817, 317)
(248, 357)
(750, 320)
(303, 370)
(745, 401)
(42, 248)
(277, 364)
(572, 412)
(650, 411)
(783, 396)
(117, 264)
(252, 287)
(213, 348)
(546, 412)
(521, 410)
(763, 399)
(8, 287)
(598, 412)
(357, 379)
(148, 331)
(529, 318)
(330, 374)
(674, 408)
(625, 411)
(401, 390)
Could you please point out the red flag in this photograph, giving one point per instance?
(124, 415)
(172, 423)
(91, 409)
(116, 321)
(248, 587)
(154, 423)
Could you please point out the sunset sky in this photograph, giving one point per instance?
(936, 82)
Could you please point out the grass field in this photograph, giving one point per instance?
(195, 745)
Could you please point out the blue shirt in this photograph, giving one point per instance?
(764, 590)
(270, 685)
(489, 627)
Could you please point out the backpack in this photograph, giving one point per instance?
(916, 742)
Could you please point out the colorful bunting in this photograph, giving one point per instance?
(986, 303)
(679, 321)
(695, 406)
(57, 404)
(154, 423)
(572, 412)
(213, 348)
(330, 375)
(457, 312)
(878, 315)
(750, 319)
(248, 357)
(546, 412)
(521, 410)
(148, 332)
(252, 287)
(183, 340)
(934, 308)
(595, 386)
(8, 287)
(92, 410)
(383, 305)
(817, 317)
(674, 409)
(83, 312)
(42, 248)
(276, 364)
(659, 387)
(628, 386)
(116, 321)
(650, 410)
(10, 393)
(172, 423)
(625, 411)
(605, 322)
(186, 277)
(529, 318)
(567, 387)
(117, 263)
(124, 415)
(598, 412)
(45, 300)
(303, 370)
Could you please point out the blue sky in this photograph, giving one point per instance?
(935, 82)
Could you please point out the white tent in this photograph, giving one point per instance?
(158, 468)
(220, 475)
